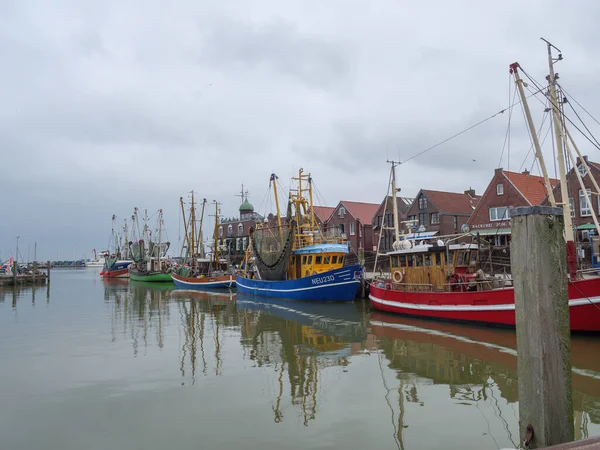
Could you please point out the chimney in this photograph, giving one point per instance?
(526, 172)
(498, 171)
(471, 192)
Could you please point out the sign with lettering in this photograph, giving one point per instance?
(499, 224)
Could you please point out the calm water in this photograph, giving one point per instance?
(88, 364)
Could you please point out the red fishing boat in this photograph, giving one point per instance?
(437, 279)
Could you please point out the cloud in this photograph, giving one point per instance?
(111, 105)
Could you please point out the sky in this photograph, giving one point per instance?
(107, 106)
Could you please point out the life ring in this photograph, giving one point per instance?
(397, 276)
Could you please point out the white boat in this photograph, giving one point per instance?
(97, 261)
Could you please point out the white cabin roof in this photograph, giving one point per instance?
(424, 248)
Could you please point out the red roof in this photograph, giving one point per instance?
(531, 186)
(364, 212)
(453, 202)
(323, 212)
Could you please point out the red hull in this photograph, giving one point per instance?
(495, 307)
(123, 273)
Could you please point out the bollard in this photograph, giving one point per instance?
(539, 268)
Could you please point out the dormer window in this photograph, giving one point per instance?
(342, 211)
(500, 189)
(422, 202)
(582, 171)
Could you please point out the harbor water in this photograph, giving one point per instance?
(93, 364)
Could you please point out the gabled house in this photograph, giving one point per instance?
(354, 219)
(383, 221)
(506, 189)
(443, 213)
(322, 213)
(581, 211)
(234, 232)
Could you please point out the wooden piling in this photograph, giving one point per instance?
(48, 271)
(539, 268)
(15, 272)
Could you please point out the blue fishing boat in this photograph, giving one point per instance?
(295, 258)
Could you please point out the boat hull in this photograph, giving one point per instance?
(155, 277)
(494, 307)
(338, 285)
(119, 270)
(205, 283)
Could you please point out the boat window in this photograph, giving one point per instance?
(318, 259)
(334, 259)
(402, 262)
(304, 259)
(418, 260)
(292, 262)
(394, 261)
(473, 258)
(341, 260)
(411, 260)
(437, 259)
(327, 260)
(449, 258)
(427, 259)
(460, 259)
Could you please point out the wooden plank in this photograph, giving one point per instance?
(539, 267)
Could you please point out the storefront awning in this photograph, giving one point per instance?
(491, 231)
(587, 226)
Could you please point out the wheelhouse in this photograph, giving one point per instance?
(315, 259)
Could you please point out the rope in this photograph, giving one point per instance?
(506, 144)
(566, 117)
(584, 296)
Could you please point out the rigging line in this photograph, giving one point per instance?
(545, 116)
(584, 296)
(464, 131)
(584, 125)
(564, 115)
(507, 134)
(579, 104)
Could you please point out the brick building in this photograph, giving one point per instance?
(354, 219)
(234, 232)
(383, 221)
(442, 212)
(490, 218)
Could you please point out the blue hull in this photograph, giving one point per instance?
(339, 285)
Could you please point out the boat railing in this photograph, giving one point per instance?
(412, 287)
(479, 285)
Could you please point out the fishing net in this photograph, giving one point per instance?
(272, 247)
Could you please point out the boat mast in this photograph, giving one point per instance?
(159, 233)
(310, 196)
(273, 180)
(538, 150)
(193, 229)
(569, 236)
(200, 239)
(395, 205)
(215, 235)
(185, 225)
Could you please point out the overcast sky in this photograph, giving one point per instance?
(107, 105)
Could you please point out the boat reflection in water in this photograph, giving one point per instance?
(286, 359)
(476, 363)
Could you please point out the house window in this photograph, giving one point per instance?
(342, 211)
(422, 202)
(351, 228)
(499, 213)
(582, 171)
(500, 189)
(245, 243)
(455, 223)
(413, 217)
(220, 231)
(572, 205)
(435, 218)
(423, 219)
(379, 221)
(240, 229)
(342, 228)
(238, 244)
(360, 231)
(584, 209)
(229, 231)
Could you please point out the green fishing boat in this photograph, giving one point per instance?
(150, 256)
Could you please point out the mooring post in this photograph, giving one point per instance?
(15, 272)
(539, 266)
(35, 268)
(48, 271)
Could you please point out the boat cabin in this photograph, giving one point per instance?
(425, 267)
(315, 259)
